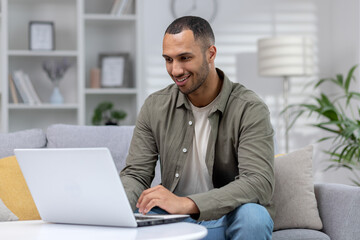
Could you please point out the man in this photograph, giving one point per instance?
(214, 139)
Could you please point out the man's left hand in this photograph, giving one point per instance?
(160, 197)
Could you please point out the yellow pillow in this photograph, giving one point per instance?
(14, 191)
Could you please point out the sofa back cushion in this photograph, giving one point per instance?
(116, 139)
(294, 196)
(32, 138)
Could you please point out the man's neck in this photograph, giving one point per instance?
(208, 92)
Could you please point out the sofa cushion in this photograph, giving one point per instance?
(6, 214)
(14, 191)
(299, 234)
(116, 139)
(294, 196)
(32, 138)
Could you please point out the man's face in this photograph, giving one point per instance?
(185, 61)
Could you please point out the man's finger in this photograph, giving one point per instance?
(147, 198)
(153, 203)
(145, 193)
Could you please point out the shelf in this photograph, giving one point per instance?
(42, 53)
(128, 17)
(45, 106)
(99, 91)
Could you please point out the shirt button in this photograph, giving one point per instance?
(177, 175)
(190, 123)
(184, 150)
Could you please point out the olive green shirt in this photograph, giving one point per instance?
(239, 156)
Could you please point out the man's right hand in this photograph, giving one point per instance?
(160, 197)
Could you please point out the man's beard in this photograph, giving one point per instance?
(204, 71)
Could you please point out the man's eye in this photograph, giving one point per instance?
(185, 58)
(169, 60)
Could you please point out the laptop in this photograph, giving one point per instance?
(81, 186)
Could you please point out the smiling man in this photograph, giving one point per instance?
(214, 141)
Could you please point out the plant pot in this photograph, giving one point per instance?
(111, 123)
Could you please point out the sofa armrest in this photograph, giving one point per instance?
(339, 210)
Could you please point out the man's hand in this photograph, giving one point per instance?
(160, 197)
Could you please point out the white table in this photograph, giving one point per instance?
(39, 230)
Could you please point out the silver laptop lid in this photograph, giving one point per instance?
(76, 185)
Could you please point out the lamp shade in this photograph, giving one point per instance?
(285, 56)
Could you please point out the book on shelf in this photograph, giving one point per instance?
(125, 7)
(14, 94)
(16, 76)
(25, 88)
(121, 7)
(33, 94)
(115, 7)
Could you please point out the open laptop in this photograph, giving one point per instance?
(80, 186)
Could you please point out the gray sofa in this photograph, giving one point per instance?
(337, 204)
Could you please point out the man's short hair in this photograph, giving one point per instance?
(200, 27)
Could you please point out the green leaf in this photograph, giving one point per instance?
(118, 115)
(357, 183)
(339, 80)
(348, 78)
(324, 139)
(355, 94)
(321, 81)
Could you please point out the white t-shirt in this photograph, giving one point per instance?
(195, 176)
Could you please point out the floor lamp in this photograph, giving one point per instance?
(285, 56)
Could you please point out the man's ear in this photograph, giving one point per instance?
(212, 53)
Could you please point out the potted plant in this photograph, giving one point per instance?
(104, 114)
(338, 115)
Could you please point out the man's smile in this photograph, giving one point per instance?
(181, 80)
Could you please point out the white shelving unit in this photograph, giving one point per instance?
(105, 33)
(83, 30)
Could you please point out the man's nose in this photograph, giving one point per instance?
(177, 69)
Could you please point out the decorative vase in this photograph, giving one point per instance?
(55, 70)
(56, 97)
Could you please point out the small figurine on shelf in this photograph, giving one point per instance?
(104, 114)
(56, 71)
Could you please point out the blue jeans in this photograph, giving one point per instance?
(249, 222)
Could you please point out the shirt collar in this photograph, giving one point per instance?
(225, 92)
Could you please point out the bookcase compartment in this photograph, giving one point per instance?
(21, 12)
(98, 7)
(105, 7)
(32, 65)
(125, 102)
(44, 117)
(109, 37)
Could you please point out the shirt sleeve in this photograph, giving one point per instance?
(255, 182)
(141, 161)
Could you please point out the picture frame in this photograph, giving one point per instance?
(41, 36)
(115, 70)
